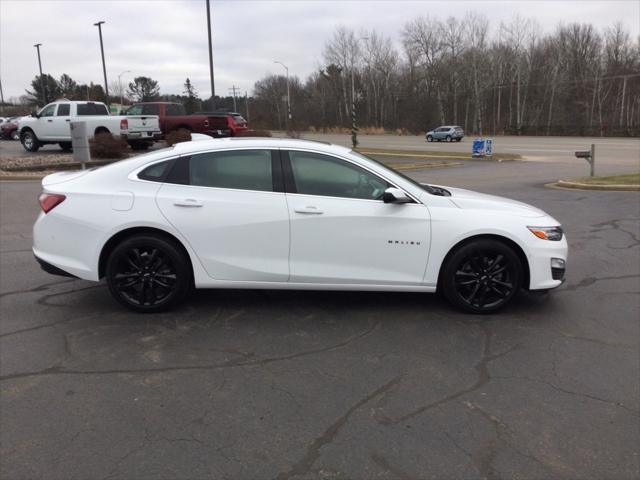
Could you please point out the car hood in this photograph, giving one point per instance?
(470, 200)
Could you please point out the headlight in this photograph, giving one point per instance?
(547, 233)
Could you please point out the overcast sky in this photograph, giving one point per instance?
(167, 39)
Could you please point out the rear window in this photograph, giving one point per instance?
(86, 109)
(218, 122)
(150, 109)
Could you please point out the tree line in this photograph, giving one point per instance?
(508, 79)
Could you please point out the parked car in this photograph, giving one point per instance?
(287, 214)
(447, 133)
(232, 122)
(174, 117)
(52, 125)
(9, 129)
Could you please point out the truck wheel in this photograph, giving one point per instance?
(30, 141)
(66, 146)
(139, 145)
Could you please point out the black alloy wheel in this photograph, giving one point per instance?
(148, 274)
(482, 276)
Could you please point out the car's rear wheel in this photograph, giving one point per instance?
(15, 135)
(429, 138)
(458, 139)
(30, 141)
(66, 146)
(482, 276)
(149, 273)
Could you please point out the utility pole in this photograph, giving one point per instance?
(213, 90)
(233, 91)
(288, 117)
(104, 67)
(42, 82)
(246, 103)
(1, 98)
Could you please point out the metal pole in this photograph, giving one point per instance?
(288, 117)
(120, 86)
(592, 160)
(1, 98)
(42, 82)
(246, 102)
(104, 67)
(213, 94)
(354, 127)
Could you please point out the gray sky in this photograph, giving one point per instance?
(167, 39)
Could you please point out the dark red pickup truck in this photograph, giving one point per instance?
(174, 117)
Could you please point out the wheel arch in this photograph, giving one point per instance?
(524, 262)
(101, 129)
(122, 235)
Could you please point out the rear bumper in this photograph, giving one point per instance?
(52, 269)
(155, 135)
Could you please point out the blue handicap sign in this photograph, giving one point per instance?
(478, 147)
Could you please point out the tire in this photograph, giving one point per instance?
(481, 276)
(148, 273)
(15, 135)
(66, 146)
(29, 141)
(449, 138)
(458, 139)
(429, 138)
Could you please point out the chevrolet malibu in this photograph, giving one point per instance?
(287, 214)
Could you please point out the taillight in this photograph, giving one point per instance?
(124, 124)
(48, 201)
(206, 123)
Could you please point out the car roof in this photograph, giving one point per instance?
(262, 142)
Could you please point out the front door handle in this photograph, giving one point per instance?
(309, 209)
(49, 121)
(188, 202)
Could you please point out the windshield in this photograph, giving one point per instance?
(387, 167)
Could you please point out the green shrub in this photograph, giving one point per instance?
(178, 136)
(105, 145)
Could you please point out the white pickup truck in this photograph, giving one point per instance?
(52, 125)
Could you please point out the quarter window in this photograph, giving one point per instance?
(240, 169)
(316, 174)
(155, 172)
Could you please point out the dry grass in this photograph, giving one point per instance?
(105, 145)
(178, 136)
(629, 179)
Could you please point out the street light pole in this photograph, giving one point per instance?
(104, 68)
(288, 117)
(120, 87)
(213, 90)
(42, 82)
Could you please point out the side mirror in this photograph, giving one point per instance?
(35, 114)
(395, 195)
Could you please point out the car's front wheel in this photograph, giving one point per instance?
(429, 138)
(30, 141)
(481, 276)
(448, 138)
(149, 273)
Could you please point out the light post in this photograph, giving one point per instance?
(104, 68)
(213, 92)
(354, 123)
(288, 117)
(120, 87)
(44, 85)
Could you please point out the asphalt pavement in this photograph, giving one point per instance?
(331, 385)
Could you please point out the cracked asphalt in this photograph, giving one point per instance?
(306, 385)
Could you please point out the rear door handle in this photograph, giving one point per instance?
(188, 202)
(49, 121)
(309, 209)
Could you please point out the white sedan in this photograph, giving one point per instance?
(287, 214)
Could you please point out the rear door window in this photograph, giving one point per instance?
(239, 169)
(173, 110)
(63, 110)
(89, 109)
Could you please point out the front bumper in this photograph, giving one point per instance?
(547, 264)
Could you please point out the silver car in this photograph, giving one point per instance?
(447, 133)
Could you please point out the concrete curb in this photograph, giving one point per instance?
(22, 178)
(587, 186)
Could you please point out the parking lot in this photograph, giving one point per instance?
(272, 384)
